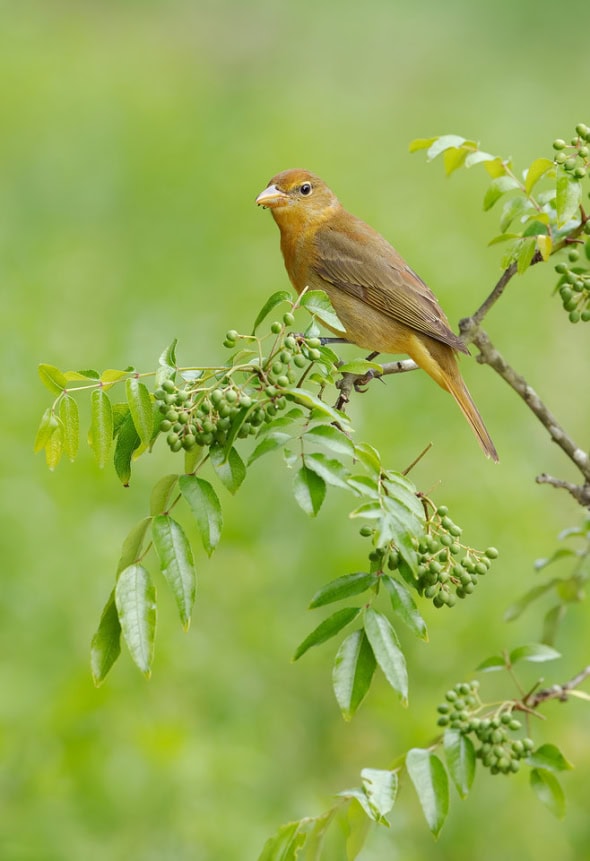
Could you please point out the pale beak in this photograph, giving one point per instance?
(271, 196)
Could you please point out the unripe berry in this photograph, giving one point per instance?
(559, 144)
(288, 319)
(275, 327)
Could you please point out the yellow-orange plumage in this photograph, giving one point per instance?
(382, 303)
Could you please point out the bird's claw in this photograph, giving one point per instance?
(362, 383)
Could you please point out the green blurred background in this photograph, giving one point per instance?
(134, 138)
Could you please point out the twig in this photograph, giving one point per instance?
(580, 492)
(556, 692)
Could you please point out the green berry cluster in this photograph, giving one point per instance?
(496, 743)
(574, 284)
(447, 568)
(381, 558)
(237, 400)
(193, 417)
(575, 157)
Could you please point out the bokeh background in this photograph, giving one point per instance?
(134, 138)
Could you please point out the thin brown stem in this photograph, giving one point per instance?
(556, 692)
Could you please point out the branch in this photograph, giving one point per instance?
(556, 692)
(581, 493)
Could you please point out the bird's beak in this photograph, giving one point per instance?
(271, 196)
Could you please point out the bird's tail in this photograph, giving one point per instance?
(460, 392)
(439, 360)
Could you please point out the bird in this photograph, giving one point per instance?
(383, 305)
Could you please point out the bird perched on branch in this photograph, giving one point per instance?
(383, 305)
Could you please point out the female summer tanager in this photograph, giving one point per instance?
(383, 305)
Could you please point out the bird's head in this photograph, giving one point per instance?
(298, 196)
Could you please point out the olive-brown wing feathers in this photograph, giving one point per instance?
(383, 280)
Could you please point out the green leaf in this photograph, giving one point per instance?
(512, 208)
(160, 495)
(561, 553)
(460, 756)
(330, 437)
(360, 366)
(318, 304)
(568, 197)
(267, 445)
(421, 143)
(82, 375)
(551, 623)
(53, 379)
(516, 609)
(127, 442)
(133, 544)
(431, 783)
(544, 244)
(140, 404)
(135, 597)
(478, 157)
(497, 167)
(368, 456)
(331, 470)
(549, 757)
(525, 254)
(538, 169)
(285, 844)
(403, 604)
(353, 671)
(271, 302)
(229, 467)
(504, 237)
(54, 447)
(101, 426)
(445, 142)
(548, 790)
(380, 787)
(343, 587)
(454, 158)
(312, 402)
(534, 653)
(68, 413)
(309, 490)
(167, 364)
(205, 507)
(497, 188)
(106, 643)
(48, 424)
(327, 629)
(495, 662)
(111, 376)
(388, 654)
(176, 559)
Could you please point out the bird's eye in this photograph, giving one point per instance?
(305, 189)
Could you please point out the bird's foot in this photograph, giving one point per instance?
(361, 383)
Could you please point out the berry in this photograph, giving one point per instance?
(559, 144)
(275, 327)
(288, 319)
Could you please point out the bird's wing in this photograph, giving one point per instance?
(381, 279)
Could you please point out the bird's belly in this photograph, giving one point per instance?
(367, 327)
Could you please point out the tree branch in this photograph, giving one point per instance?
(556, 692)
